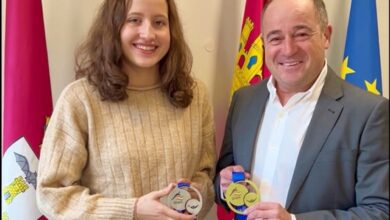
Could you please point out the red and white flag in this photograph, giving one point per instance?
(27, 106)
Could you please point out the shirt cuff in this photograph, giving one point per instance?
(223, 194)
(293, 217)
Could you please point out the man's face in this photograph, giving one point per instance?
(294, 44)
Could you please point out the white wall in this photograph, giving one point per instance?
(212, 29)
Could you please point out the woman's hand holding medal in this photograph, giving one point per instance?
(185, 198)
(149, 206)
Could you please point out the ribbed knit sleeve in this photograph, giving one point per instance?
(206, 169)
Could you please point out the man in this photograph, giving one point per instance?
(317, 147)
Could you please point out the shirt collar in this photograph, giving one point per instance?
(312, 92)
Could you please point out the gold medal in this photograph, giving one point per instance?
(235, 194)
(238, 194)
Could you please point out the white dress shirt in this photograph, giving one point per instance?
(280, 138)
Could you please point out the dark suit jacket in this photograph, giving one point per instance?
(342, 171)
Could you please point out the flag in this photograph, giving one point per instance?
(361, 64)
(250, 66)
(27, 107)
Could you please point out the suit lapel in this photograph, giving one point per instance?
(324, 118)
(249, 125)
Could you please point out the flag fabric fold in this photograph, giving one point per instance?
(361, 63)
(250, 67)
(27, 106)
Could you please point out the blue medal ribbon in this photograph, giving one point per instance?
(239, 176)
(183, 184)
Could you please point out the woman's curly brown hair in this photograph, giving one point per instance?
(99, 58)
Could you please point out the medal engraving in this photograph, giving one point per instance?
(238, 194)
(235, 193)
(178, 198)
(250, 199)
(193, 206)
(185, 198)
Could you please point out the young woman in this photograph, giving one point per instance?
(132, 125)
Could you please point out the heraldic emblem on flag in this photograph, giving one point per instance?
(19, 182)
(249, 68)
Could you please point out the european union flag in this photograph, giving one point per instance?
(361, 64)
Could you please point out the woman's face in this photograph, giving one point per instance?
(145, 36)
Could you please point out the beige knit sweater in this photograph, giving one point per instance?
(98, 157)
